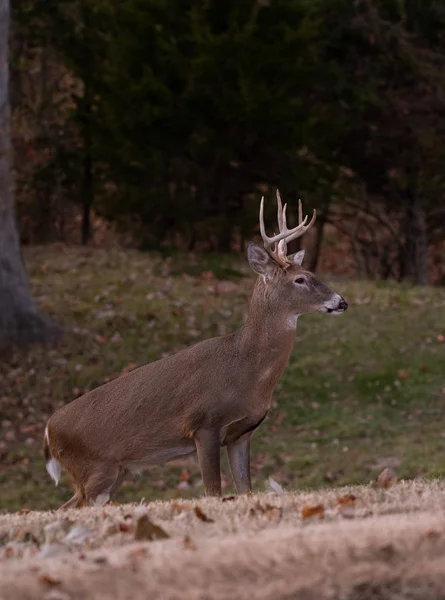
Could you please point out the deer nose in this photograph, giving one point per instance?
(343, 305)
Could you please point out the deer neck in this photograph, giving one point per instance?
(268, 334)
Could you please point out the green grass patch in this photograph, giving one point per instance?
(361, 391)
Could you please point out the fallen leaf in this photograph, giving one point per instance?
(180, 507)
(274, 487)
(138, 552)
(202, 516)
(78, 534)
(345, 500)
(146, 530)
(49, 580)
(56, 529)
(403, 374)
(52, 550)
(388, 551)
(188, 543)
(273, 512)
(432, 534)
(312, 511)
(24, 536)
(386, 479)
(269, 510)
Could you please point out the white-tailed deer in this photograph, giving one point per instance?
(210, 395)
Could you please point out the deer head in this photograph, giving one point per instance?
(284, 282)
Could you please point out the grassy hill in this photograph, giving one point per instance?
(362, 391)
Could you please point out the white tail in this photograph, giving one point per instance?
(210, 395)
(52, 465)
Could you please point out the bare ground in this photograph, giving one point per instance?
(361, 543)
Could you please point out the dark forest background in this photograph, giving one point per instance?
(164, 121)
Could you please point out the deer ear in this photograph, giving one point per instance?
(259, 259)
(297, 258)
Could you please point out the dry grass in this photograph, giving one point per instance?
(370, 544)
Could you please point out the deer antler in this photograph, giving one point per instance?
(277, 244)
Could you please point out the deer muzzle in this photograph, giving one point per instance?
(336, 305)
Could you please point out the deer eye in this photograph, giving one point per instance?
(300, 280)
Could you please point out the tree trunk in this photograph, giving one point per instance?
(20, 321)
(414, 263)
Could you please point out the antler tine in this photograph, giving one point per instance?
(285, 235)
(281, 247)
(262, 230)
(302, 228)
(280, 212)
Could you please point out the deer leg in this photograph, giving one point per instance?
(208, 448)
(119, 479)
(100, 483)
(75, 502)
(238, 453)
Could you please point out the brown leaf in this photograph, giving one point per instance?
(269, 510)
(188, 543)
(386, 479)
(179, 507)
(403, 374)
(49, 580)
(202, 516)
(432, 534)
(346, 500)
(312, 511)
(273, 512)
(138, 552)
(146, 530)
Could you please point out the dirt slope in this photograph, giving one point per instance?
(361, 543)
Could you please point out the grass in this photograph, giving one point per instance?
(361, 391)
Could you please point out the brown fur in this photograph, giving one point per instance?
(210, 395)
